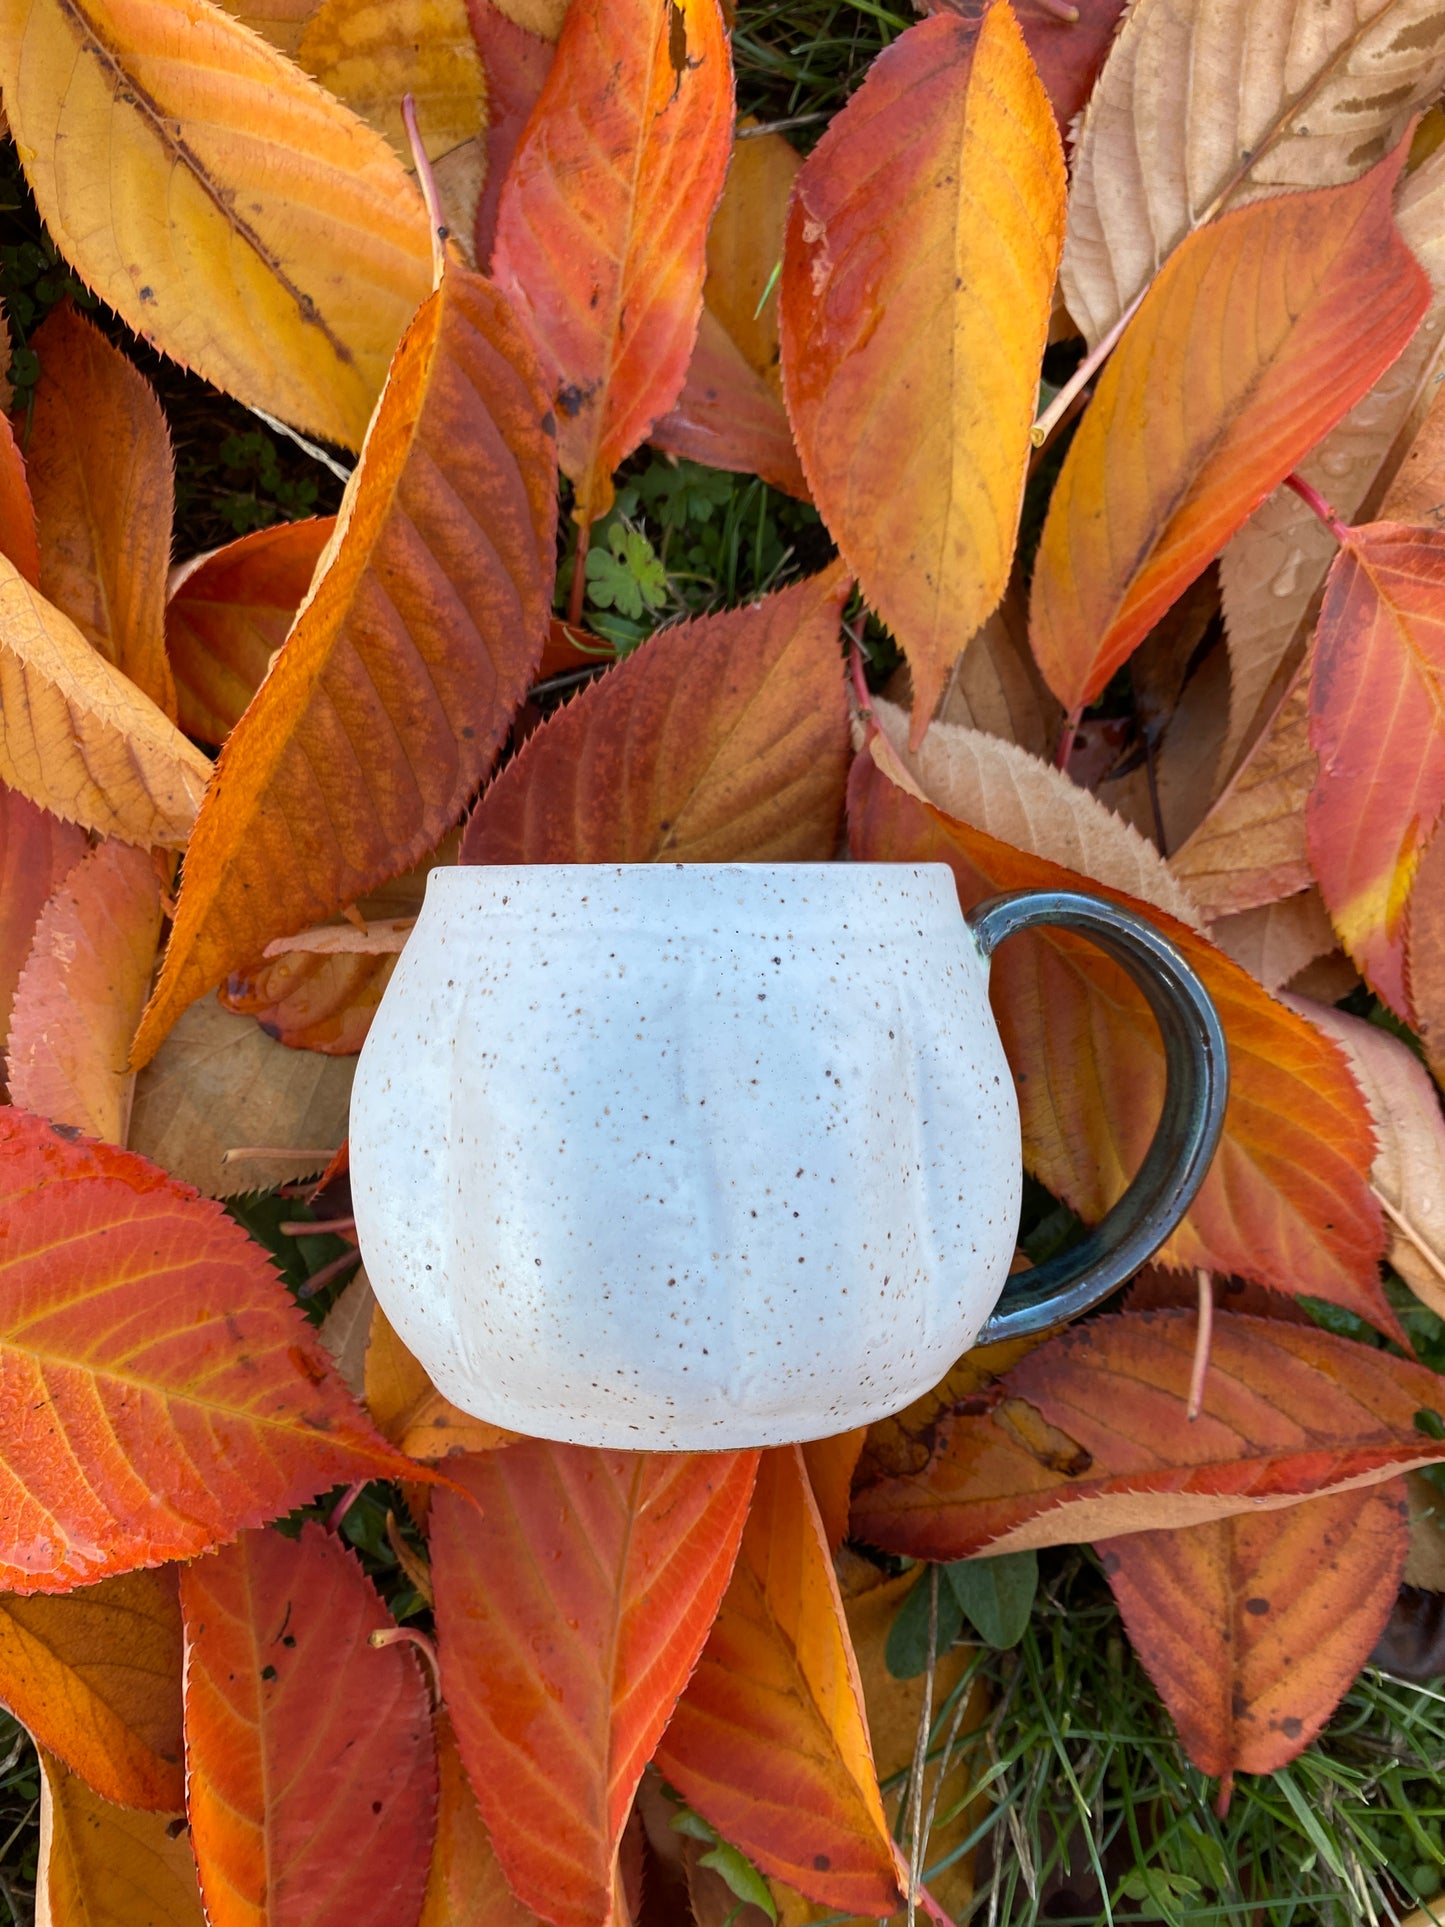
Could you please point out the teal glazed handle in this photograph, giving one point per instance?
(1195, 1091)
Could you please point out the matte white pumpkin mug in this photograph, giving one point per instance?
(697, 1156)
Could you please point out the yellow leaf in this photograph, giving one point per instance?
(78, 738)
(96, 1676)
(371, 53)
(410, 1410)
(105, 1866)
(282, 22)
(229, 209)
(918, 272)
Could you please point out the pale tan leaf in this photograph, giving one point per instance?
(1209, 103)
(1001, 789)
(1409, 1168)
(995, 685)
(219, 1083)
(1275, 941)
(345, 1333)
(82, 991)
(1250, 848)
(78, 738)
(231, 211)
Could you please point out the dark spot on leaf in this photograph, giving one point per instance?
(570, 400)
(1291, 1727)
(147, 294)
(1111, 1563)
(549, 423)
(268, 1672)
(821, 1862)
(376, 1806)
(1256, 1606)
(70, 1132)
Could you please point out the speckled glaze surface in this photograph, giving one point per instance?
(686, 1157)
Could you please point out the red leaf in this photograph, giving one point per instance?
(158, 1389)
(603, 219)
(1254, 1628)
(37, 852)
(517, 63)
(1287, 1201)
(572, 1601)
(1377, 723)
(770, 1741)
(721, 740)
(728, 417)
(311, 1776)
(1089, 1436)
(82, 991)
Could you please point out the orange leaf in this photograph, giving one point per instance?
(311, 1775)
(159, 1389)
(769, 1742)
(727, 415)
(17, 511)
(1089, 1436)
(831, 1464)
(397, 684)
(1377, 723)
(918, 273)
(227, 616)
(82, 991)
(408, 1408)
(1254, 1629)
(104, 1865)
(37, 853)
(1287, 1200)
(96, 1676)
(572, 1601)
(603, 219)
(722, 740)
(1276, 319)
(466, 1886)
(312, 1002)
(100, 475)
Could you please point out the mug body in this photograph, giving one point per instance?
(686, 1157)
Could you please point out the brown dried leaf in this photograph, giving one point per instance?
(219, 1083)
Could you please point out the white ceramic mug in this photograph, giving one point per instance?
(692, 1156)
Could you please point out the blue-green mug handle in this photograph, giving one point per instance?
(1195, 1090)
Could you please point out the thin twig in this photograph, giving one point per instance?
(782, 126)
(1312, 499)
(579, 572)
(413, 1636)
(1082, 376)
(328, 1274)
(428, 184)
(1203, 1340)
(315, 1227)
(313, 449)
(920, 1753)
